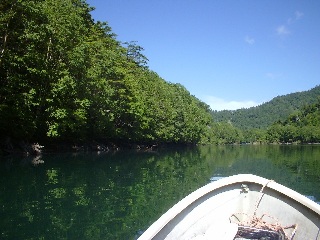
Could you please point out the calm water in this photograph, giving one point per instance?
(116, 196)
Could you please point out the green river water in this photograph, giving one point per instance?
(118, 195)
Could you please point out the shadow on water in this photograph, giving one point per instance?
(116, 196)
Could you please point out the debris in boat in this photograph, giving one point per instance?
(259, 227)
(256, 233)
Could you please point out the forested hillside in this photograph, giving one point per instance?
(302, 127)
(262, 116)
(65, 77)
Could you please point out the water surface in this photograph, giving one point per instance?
(118, 195)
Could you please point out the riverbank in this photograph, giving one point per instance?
(28, 148)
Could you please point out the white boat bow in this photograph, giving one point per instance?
(243, 206)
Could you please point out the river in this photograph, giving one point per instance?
(118, 195)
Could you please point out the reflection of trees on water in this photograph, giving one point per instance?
(37, 160)
(112, 196)
(295, 166)
(32, 160)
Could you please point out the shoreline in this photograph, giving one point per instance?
(25, 148)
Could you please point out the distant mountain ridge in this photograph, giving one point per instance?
(262, 116)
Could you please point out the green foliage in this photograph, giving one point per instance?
(226, 133)
(65, 77)
(290, 118)
(303, 126)
(261, 117)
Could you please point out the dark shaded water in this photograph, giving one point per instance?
(116, 196)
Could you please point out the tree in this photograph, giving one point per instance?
(65, 77)
(134, 53)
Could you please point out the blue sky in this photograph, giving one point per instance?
(229, 53)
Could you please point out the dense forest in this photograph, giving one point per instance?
(263, 116)
(271, 122)
(303, 126)
(65, 78)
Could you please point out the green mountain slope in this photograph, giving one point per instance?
(301, 127)
(262, 116)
